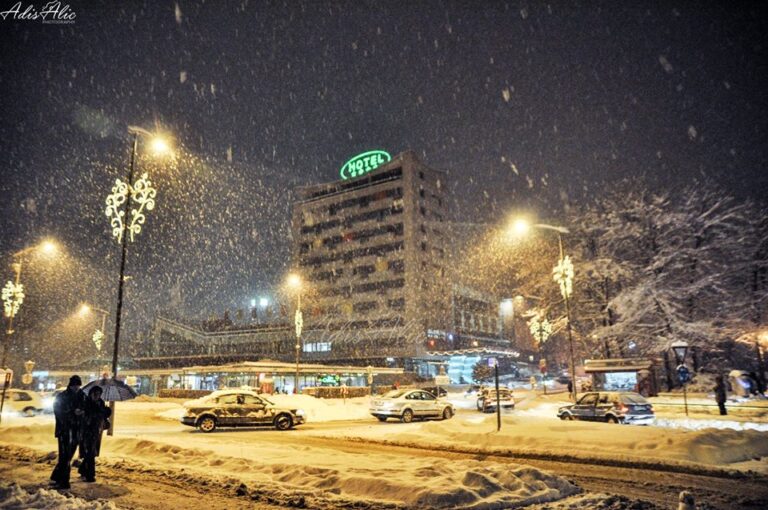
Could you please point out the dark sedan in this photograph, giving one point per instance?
(611, 407)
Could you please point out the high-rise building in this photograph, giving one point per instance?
(373, 251)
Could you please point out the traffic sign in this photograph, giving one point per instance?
(442, 380)
(492, 362)
(683, 374)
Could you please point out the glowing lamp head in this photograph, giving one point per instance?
(85, 309)
(294, 281)
(263, 302)
(159, 146)
(520, 227)
(48, 247)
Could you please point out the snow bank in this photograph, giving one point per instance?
(556, 439)
(377, 478)
(13, 496)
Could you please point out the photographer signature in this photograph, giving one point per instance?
(52, 12)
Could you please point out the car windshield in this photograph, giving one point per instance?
(395, 393)
(633, 399)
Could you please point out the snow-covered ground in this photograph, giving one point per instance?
(148, 434)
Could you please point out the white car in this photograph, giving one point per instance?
(22, 402)
(408, 404)
(486, 400)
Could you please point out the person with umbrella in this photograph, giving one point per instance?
(94, 421)
(68, 408)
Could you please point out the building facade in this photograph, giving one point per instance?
(373, 253)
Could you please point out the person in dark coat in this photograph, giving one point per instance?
(93, 423)
(721, 395)
(68, 408)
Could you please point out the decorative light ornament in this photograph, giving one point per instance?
(13, 297)
(142, 193)
(540, 329)
(563, 275)
(299, 321)
(98, 339)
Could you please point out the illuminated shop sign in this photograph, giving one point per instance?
(364, 163)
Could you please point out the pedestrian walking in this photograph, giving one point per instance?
(720, 395)
(95, 419)
(68, 408)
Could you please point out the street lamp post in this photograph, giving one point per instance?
(294, 281)
(13, 297)
(119, 203)
(563, 274)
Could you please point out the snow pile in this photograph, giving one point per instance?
(286, 467)
(556, 439)
(699, 424)
(13, 496)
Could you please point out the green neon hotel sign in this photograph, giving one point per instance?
(364, 163)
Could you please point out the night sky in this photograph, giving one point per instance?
(525, 105)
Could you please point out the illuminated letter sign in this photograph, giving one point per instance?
(363, 163)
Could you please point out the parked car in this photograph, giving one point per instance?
(437, 391)
(486, 400)
(408, 404)
(611, 407)
(238, 408)
(23, 402)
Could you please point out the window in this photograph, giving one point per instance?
(421, 175)
(228, 399)
(421, 227)
(423, 246)
(421, 192)
(422, 210)
(251, 400)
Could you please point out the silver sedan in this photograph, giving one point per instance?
(409, 404)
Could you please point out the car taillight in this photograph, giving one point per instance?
(623, 408)
(650, 409)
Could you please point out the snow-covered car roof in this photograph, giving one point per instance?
(230, 391)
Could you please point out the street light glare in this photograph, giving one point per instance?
(520, 227)
(85, 309)
(294, 280)
(160, 146)
(49, 247)
(263, 302)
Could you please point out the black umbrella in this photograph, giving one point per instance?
(114, 390)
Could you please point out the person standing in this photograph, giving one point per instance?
(721, 395)
(93, 423)
(68, 409)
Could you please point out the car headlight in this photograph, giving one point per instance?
(48, 403)
(299, 412)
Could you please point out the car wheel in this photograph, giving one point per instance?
(407, 416)
(29, 412)
(447, 413)
(566, 416)
(382, 418)
(612, 419)
(207, 424)
(283, 422)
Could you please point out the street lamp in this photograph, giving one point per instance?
(13, 296)
(294, 282)
(119, 202)
(563, 274)
(98, 335)
(680, 349)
